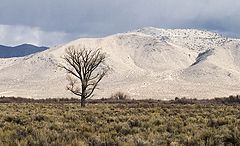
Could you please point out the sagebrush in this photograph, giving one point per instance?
(119, 124)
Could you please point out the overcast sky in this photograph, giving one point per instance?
(53, 22)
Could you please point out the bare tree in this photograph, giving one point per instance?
(86, 68)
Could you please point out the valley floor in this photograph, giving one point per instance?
(119, 124)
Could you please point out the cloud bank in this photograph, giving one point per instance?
(15, 35)
(92, 18)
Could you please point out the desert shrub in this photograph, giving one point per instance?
(119, 124)
(119, 96)
(40, 118)
(15, 120)
(134, 123)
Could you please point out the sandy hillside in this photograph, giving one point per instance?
(145, 63)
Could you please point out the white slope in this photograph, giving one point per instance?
(145, 63)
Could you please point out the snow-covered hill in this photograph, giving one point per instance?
(146, 63)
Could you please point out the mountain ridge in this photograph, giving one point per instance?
(151, 63)
(19, 50)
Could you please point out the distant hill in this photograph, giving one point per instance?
(145, 63)
(19, 51)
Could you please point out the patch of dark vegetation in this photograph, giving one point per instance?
(223, 100)
(122, 98)
(4, 99)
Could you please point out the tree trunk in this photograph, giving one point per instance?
(83, 103)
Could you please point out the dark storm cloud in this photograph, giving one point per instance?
(102, 17)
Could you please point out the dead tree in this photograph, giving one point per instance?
(86, 68)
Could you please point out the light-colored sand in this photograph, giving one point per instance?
(145, 63)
